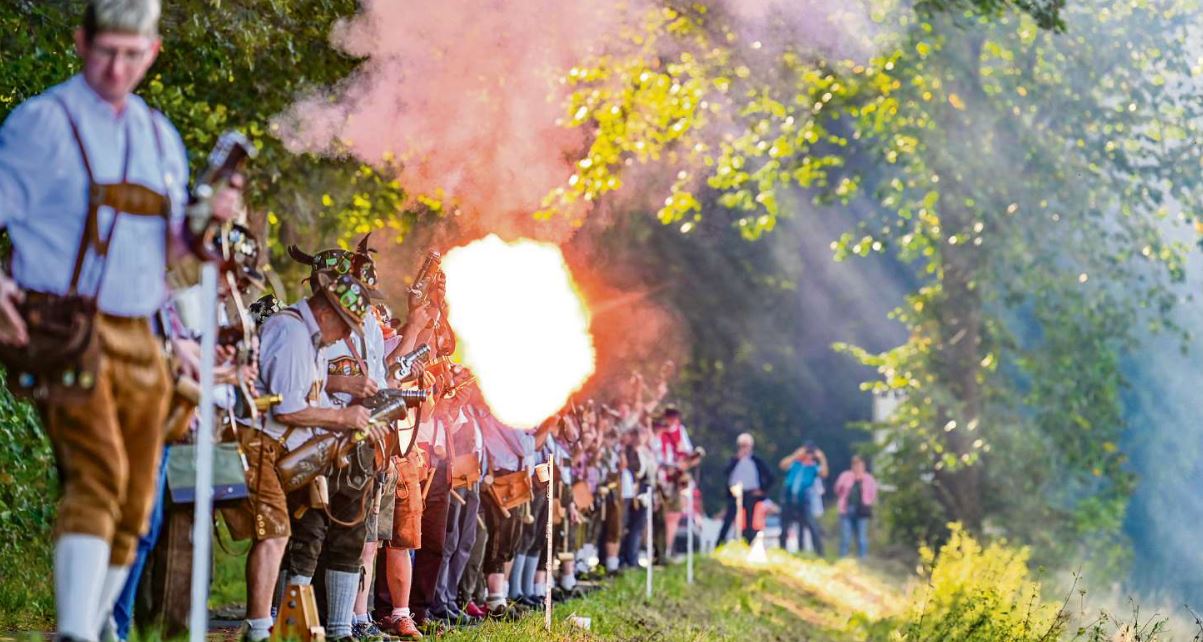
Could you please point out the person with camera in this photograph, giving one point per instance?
(93, 185)
(802, 504)
(292, 366)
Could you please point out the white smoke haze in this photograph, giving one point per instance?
(844, 29)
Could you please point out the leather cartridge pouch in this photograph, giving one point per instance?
(512, 489)
(582, 496)
(61, 361)
(465, 470)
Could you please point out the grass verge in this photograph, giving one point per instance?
(786, 598)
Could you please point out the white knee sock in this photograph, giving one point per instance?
(79, 569)
(300, 580)
(341, 589)
(114, 583)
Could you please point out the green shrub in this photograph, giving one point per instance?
(977, 594)
(28, 487)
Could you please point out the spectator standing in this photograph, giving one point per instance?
(857, 493)
(749, 472)
(802, 495)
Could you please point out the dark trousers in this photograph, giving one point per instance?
(799, 513)
(729, 518)
(632, 539)
(503, 534)
(315, 536)
(457, 547)
(534, 535)
(429, 558)
(472, 580)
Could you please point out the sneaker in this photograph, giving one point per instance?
(402, 628)
(368, 632)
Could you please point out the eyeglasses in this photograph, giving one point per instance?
(108, 55)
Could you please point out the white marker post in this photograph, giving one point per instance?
(689, 536)
(549, 580)
(738, 491)
(201, 543)
(651, 547)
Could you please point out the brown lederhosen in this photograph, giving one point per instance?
(108, 445)
(264, 514)
(408, 503)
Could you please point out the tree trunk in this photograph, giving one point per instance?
(958, 364)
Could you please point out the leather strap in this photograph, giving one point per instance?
(363, 366)
(123, 197)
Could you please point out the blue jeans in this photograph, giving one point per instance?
(800, 514)
(848, 524)
(123, 611)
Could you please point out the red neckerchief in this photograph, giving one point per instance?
(670, 441)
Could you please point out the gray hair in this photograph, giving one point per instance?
(745, 437)
(140, 17)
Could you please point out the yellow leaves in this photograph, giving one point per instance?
(327, 201)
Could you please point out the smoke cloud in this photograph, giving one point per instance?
(463, 97)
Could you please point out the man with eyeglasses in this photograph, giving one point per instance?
(92, 192)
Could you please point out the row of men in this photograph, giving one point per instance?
(436, 518)
(94, 197)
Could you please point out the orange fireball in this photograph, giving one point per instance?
(522, 326)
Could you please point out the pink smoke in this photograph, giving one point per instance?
(463, 95)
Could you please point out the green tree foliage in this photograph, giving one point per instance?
(225, 64)
(1029, 178)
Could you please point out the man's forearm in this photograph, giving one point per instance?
(340, 383)
(314, 418)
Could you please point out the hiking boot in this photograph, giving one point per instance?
(368, 632)
(402, 628)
